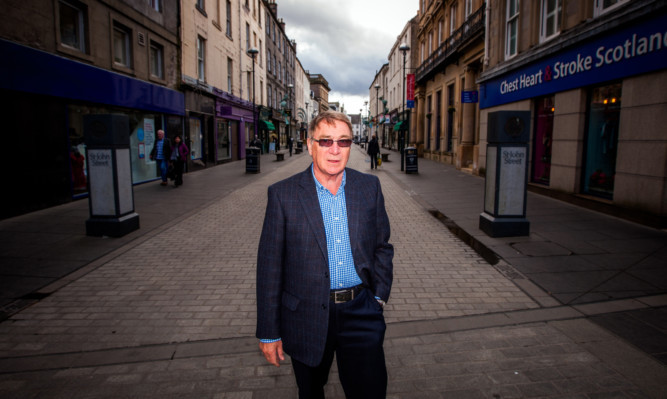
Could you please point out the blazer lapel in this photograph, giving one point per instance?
(311, 208)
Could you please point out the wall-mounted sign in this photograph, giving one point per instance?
(471, 96)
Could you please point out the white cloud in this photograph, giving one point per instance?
(347, 41)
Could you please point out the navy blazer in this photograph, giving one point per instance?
(292, 262)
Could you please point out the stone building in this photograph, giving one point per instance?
(449, 62)
(277, 116)
(320, 93)
(593, 76)
(64, 59)
(399, 69)
(217, 76)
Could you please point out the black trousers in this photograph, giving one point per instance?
(355, 336)
(374, 161)
(178, 172)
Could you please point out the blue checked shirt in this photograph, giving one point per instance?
(334, 213)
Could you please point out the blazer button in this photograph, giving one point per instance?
(324, 307)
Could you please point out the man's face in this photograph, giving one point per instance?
(330, 161)
(160, 134)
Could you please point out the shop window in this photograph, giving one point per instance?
(550, 19)
(224, 139)
(438, 119)
(157, 60)
(544, 112)
(196, 139)
(429, 114)
(451, 95)
(73, 25)
(512, 28)
(122, 45)
(601, 144)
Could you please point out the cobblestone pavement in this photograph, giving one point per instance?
(174, 316)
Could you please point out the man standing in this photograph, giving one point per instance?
(324, 269)
(161, 152)
(373, 150)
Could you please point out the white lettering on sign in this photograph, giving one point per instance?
(634, 46)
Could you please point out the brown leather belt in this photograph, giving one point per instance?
(346, 295)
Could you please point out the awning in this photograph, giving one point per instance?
(399, 126)
(266, 125)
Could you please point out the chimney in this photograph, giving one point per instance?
(282, 24)
(273, 7)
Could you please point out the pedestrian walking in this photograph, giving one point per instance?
(373, 150)
(324, 269)
(178, 156)
(160, 153)
(290, 144)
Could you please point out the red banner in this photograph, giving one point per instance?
(410, 86)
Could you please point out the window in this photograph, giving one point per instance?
(247, 37)
(550, 19)
(269, 95)
(249, 78)
(73, 25)
(201, 53)
(603, 6)
(268, 57)
(512, 28)
(452, 18)
(268, 25)
(122, 51)
(468, 8)
(260, 52)
(440, 23)
(280, 71)
(421, 52)
(157, 60)
(430, 43)
(156, 5)
(230, 72)
(229, 18)
(200, 5)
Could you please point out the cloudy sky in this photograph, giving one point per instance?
(347, 41)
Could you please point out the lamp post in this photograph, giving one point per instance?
(404, 49)
(307, 120)
(366, 112)
(253, 52)
(377, 107)
(289, 107)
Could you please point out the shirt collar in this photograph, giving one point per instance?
(319, 185)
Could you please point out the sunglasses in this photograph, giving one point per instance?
(343, 143)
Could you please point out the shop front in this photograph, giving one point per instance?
(234, 128)
(598, 116)
(43, 115)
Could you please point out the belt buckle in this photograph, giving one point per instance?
(342, 293)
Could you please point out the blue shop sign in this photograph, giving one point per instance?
(631, 51)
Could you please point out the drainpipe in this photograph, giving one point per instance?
(486, 32)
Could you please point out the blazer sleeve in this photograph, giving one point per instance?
(384, 251)
(269, 269)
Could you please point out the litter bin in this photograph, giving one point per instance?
(252, 160)
(299, 147)
(411, 160)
